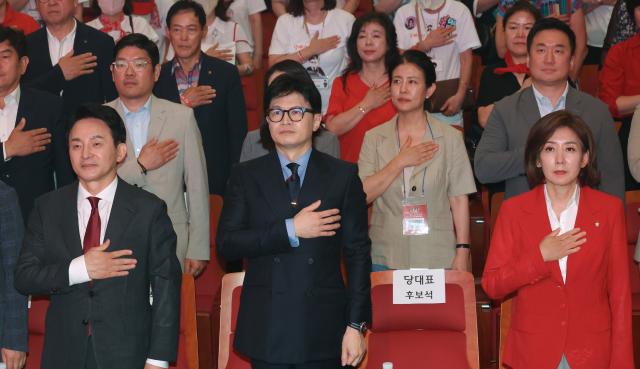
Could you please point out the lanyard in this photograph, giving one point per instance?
(404, 186)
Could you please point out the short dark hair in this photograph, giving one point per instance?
(546, 24)
(104, 113)
(16, 40)
(186, 6)
(139, 41)
(521, 6)
(288, 67)
(296, 7)
(392, 54)
(422, 61)
(127, 9)
(631, 8)
(540, 134)
(285, 85)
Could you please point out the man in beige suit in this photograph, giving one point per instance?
(165, 148)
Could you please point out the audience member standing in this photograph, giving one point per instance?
(14, 19)
(247, 14)
(208, 85)
(499, 156)
(292, 214)
(69, 58)
(114, 18)
(314, 33)
(444, 30)
(360, 98)
(620, 85)
(165, 148)
(227, 40)
(279, 7)
(416, 163)
(98, 247)
(32, 129)
(560, 252)
(13, 305)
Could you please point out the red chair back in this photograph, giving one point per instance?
(231, 289)
(37, 317)
(188, 340)
(424, 335)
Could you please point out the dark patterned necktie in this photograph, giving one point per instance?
(293, 183)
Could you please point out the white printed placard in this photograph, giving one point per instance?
(419, 286)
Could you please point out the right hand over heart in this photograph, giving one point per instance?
(74, 66)
(411, 156)
(24, 143)
(319, 45)
(155, 154)
(310, 223)
(103, 264)
(554, 247)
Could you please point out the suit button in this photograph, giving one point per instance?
(276, 260)
(91, 293)
(310, 261)
(85, 322)
(413, 188)
(54, 291)
(309, 293)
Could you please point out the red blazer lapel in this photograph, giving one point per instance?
(587, 220)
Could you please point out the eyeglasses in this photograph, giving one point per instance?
(137, 64)
(296, 114)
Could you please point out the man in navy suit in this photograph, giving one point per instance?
(68, 58)
(210, 86)
(13, 305)
(31, 129)
(291, 214)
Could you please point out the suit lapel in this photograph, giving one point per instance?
(121, 212)
(587, 213)
(172, 85)
(573, 102)
(158, 118)
(437, 138)
(529, 108)
(69, 221)
(81, 41)
(206, 73)
(315, 184)
(24, 108)
(271, 183)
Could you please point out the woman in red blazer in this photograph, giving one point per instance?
(560, 251)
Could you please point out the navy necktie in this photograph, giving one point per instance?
(293, 183)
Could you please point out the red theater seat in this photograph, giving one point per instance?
(425, 335)
(227, 357)
(37, 315)
(188, 340)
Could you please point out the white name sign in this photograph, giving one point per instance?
(419, 286)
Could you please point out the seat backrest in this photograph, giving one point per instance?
(231, 289)
(188, 339)
(37, 317)
(424, 335)
(588, 80)
(496, 202)
(364, 6)
(208, 283)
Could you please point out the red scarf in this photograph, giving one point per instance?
(108, 26)
(147, 7)
(511, 67)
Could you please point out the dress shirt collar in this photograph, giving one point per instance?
(175, 65)
(71, 34)
(107, 194)
(572, 202)
(544, 102)
(144, 108)
(303, 162)
(13, 97)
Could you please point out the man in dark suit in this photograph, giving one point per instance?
(100, 314)
(31, 129)
(289, 213)
(210, 86)
(500, 153)
(68, 58)
(13, 305)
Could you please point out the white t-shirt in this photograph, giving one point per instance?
(446, 57)
(291, 35)
(597, 22)
(228, 35)
(140, 25)
(240, 10)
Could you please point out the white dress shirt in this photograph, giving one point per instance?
(566, 222)
(59, 48)
(8, 117)
(137, 123)
(544, 104)
(78, 269)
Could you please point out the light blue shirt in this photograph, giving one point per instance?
(303, 162)
(137, 123)
(544, 104)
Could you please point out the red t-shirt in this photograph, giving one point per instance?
(620, 75)
(341, 101)
(18, 20)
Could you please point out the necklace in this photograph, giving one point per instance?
(374, 82)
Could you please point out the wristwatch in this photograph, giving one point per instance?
(360, 327)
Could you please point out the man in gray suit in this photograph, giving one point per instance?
(13, 305)
(500, 153)
(165, 156)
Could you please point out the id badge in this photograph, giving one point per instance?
(414, 216)
(321, 82)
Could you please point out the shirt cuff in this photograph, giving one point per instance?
(78, 271)
(158, 363)
(291, 232)
(4, 152)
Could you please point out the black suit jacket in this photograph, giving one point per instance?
(125, 330)
(294, 306)
(223, 123)
(32, 175)
(96, 87)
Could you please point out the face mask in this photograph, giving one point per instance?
(111, 7)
